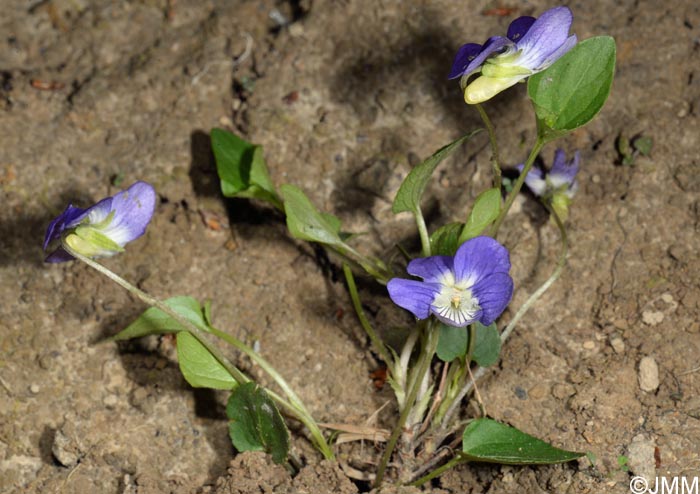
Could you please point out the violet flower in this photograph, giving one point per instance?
(561, 179)
(530, 46)
(557, 186)
(102, 230)
(474, 285)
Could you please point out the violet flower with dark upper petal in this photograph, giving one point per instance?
(474, 285)
(559, 185)
(104, 229)
(530, 46)
(560, 179)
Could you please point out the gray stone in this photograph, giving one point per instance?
(640, 457)
(648, 374)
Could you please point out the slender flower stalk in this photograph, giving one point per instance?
(377, 343)
(495, 161)
(517, 186)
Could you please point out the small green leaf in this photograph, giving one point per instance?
(485, 211)
(445, 240)
(487, 347)
(573, 90)
(305, 222)
(643, 144)
(199, 367)
(155, 321)
(409, 194)
(242, 168)
(489, 441)
(452, 343)
(255, 423)
(623, 146)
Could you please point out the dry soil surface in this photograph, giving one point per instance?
(345, 96)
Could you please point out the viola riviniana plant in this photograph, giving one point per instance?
(104, 229)
(530, 46)
(474, 285)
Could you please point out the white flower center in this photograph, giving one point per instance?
(455, 301)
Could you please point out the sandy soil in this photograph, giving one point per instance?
(345, 96)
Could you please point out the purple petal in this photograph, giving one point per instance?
(133, 209)
(70, 217)
(559, 160)
(563, 171)
(59, 255)
(469, 60)
(432, 268)
(464, 56)
(546, 35)
(558, 53)
(414, 296)
(534, 180)
(534, 171)
(493, 293)
(480, 257)
(519, 27)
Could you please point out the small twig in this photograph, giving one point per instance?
(246, 52)
(477, 395)
(691, 371)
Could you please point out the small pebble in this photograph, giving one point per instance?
(648, 374)
(538, 392)
(296, 30)
(621, 324)
(617, 345)
(110, 401)
(652, 318)
(563, 391)
(34, 389)
(588, 345)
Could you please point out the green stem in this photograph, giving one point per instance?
(423, 366)
(377, 343)
(517, 186)
(296, 408)
(423, 232)
(495, 161)
(472, 343)
(438, 471)
(373, 267)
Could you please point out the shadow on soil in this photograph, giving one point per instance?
(21, 239)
